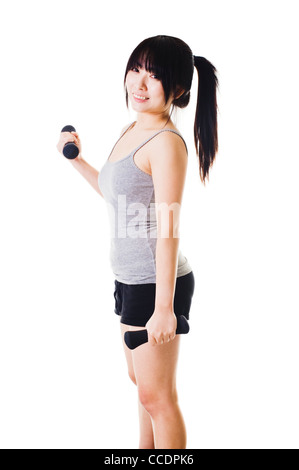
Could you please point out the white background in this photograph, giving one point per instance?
(63, 374)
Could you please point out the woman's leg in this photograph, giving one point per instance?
(155, 373)
(146, 440)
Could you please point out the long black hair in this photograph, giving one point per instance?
(172, 60)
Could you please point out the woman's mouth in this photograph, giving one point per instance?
(140, 98)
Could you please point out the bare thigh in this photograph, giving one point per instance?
(155, 367)
(128, 352)
(152, 367)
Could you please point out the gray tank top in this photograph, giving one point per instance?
(129, 194)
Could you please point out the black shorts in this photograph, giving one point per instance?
(135, 303)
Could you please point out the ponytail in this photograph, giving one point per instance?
(205, 124)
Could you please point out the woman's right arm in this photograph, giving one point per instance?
(87, 171)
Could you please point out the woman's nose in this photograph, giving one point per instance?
(141, 82)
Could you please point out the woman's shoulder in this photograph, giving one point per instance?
(126, 128)
(174, 128)
(173, 137)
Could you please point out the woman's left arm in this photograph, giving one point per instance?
(168, 167)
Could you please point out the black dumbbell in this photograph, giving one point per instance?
(70, 150)
(133, 339)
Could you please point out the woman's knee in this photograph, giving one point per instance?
(157, 401)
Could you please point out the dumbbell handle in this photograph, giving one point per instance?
(133, 339)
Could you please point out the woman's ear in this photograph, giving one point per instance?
(180, 91)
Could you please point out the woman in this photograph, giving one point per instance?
(145, 173)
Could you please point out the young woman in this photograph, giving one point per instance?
(145, 174)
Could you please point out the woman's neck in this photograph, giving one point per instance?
(146, 122)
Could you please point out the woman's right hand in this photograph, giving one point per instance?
(69, 137)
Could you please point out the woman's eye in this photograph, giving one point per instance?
(136, 69)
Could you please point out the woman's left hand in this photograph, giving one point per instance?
(161, 327)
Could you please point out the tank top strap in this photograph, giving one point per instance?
(122, 134)
(150, 138)
(126, 129)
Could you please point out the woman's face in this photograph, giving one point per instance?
(146, 92)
